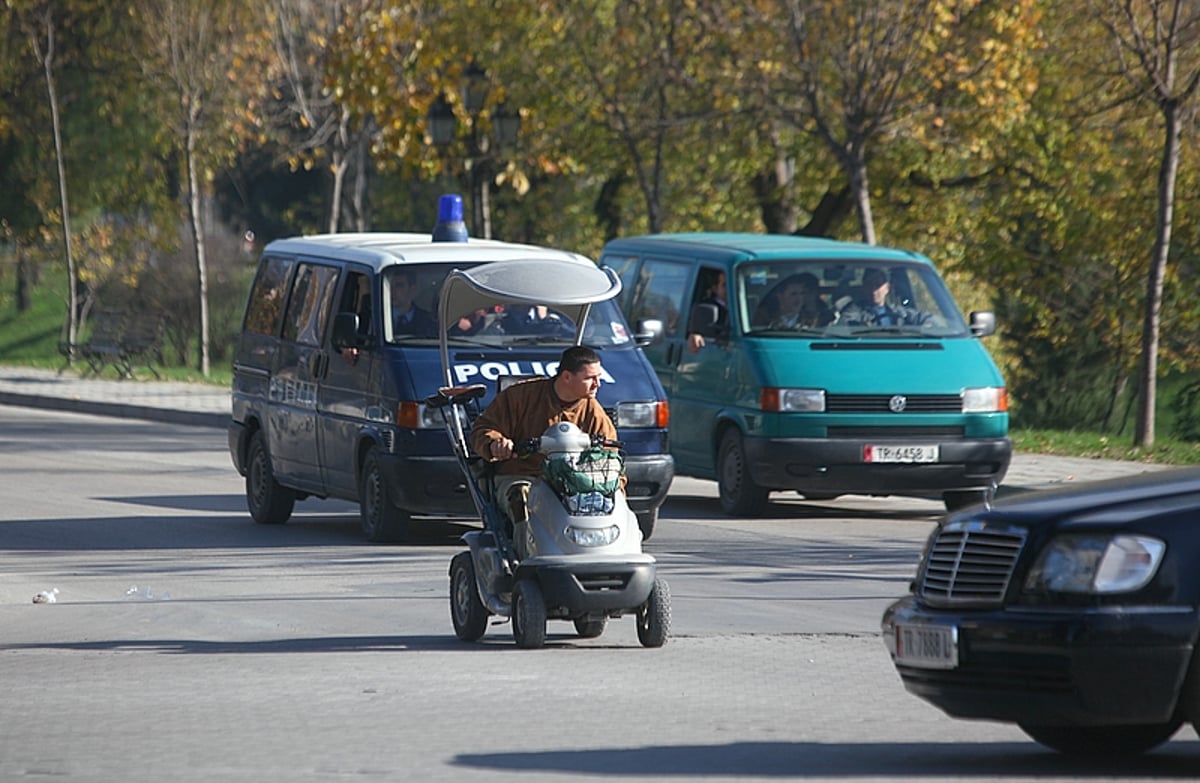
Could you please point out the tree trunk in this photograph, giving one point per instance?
(1143, 436)
(47, 60)
(194, 212)
(862, 197)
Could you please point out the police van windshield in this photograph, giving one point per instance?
(868, 298)
(412, 295)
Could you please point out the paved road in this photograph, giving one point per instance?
(263, 653)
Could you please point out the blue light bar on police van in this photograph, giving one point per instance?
(450, 226)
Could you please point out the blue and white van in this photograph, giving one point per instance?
(328, 392)
(817, 366)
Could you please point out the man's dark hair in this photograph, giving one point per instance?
(575, 357)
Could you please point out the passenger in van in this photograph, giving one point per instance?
(714, 294)
(536, 319)
(525, 409)
(475, 322)
(793, 303)
(407, 318)
(874, 307)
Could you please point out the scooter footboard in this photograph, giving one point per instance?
(579, 588)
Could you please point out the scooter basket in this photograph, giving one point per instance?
(586, 483)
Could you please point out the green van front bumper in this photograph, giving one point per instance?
(838, 467)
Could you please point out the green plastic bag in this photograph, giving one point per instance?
(595, 470)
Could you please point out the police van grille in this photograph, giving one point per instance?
(881, 403)
(969, 563)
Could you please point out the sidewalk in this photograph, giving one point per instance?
(205, 405)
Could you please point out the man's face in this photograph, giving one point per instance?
(402, 293)
(577, 385)
(876, 282)
(791, 299)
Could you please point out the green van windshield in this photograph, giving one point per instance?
(786, 298)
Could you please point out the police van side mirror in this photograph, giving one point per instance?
(648, 330)
(983, 323)
(345, 331)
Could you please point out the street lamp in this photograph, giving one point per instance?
(505, 125)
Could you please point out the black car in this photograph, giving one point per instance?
(1073, 613)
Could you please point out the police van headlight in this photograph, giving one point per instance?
(987, 399)
(416, 416)
(792, 400)
(651, 415)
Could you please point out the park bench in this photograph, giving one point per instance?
(122, 341)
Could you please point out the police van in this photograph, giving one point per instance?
(339, 349)
(816, 366)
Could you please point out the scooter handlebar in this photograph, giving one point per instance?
(528, 446)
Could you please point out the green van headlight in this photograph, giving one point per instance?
(792, 400)
(986, 399)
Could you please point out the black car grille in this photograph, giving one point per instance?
(884, 403)
(969, 562)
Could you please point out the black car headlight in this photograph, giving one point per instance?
(1097, 564)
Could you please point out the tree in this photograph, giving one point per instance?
(40, 29)
(299, 108)
(864, 73)
(190, 47)
(1157, 46)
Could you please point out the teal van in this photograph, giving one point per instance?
(815, 366)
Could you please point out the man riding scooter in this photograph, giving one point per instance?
(523, 411)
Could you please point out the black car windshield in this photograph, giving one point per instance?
(412, 296)
(868, 298)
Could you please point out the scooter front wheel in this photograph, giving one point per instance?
(528, 614)
(654, 616)
(467, 611)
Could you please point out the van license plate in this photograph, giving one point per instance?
(927, 646)
(874, 453)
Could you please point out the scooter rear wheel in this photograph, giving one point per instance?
(467, 611)
(528, 614)
(654, 616)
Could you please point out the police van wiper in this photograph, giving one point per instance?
(536, 339)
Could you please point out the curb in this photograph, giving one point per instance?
(126, 410)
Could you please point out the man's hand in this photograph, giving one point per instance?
(501, 448)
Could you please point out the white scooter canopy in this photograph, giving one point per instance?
(566, 284)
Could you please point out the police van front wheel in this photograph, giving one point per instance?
(382, 521)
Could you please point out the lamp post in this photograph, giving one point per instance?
(443, 129)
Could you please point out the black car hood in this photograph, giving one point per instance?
(1098, 502)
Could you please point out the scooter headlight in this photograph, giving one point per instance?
(593, 536)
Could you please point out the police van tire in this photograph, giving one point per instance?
(382, 522)
(269, 502)
(740, 496)
(646, 520)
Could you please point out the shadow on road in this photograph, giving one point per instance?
(877, 761)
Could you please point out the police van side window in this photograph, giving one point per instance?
(308, 306)
(265, 309)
